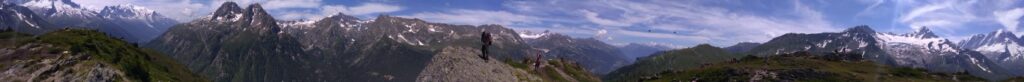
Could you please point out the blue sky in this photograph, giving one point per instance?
(679, 23)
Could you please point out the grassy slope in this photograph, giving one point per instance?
(139, 64)
(549, 74)
(673, 59)
(807, 69)
(1015, 79)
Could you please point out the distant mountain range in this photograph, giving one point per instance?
(742, 47)
(991, 56)
(632, 51)
(596, 56)
(1000, 47)
(921, 49)
(132, 23)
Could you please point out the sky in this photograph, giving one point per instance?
(675, 23)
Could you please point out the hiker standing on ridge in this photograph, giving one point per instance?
(486, 38)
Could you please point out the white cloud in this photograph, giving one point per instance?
(1009, 18)
(364, 9)
(593, 17)
(683, 22)
(243, 3)
(923, 10)
(942, 16)
(273, 4)
(333, 9)
(688, 38)
(370, 8)
(476, 17)
(282, 4)
(710, 22)
(603, 34)
(946, 17)
(299, 15)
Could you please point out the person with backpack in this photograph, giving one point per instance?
(486, 38)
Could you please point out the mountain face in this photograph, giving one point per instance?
(596, 56)
(224, 50)
(742, 47)
(22, 19)
(920, 49)
(84, 55)
(247, 44)
(132, 23)
(669, 60)
(1002, 47)
(637, 50)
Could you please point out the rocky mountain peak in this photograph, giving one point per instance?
(860, 29)
(256, 12)
(227, 10)
(924, 32)
(996, 37)
(388, 18)
(258, 18)
(255, 8)
(342, 16)
(1003, 34)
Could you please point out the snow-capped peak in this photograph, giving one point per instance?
(126, 11)
(58, 8)
(994, 44)
(924, 32)
(931, 43)
(998, 37)
(51, 4)
(531, 35)
(297, 24)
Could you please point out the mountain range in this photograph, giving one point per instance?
(132, 23)
(920, 49)
(1001, 47)
(596, 56)
(247, 44)
(633, 51)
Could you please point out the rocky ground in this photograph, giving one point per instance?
(458, 64)
(461, 64)
(36, 63)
